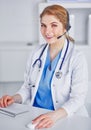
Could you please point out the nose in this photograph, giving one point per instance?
(48, 30)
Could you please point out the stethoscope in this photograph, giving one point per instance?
(58, 74)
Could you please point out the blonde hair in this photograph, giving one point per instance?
(60, 13)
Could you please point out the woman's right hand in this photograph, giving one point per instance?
(6, 101)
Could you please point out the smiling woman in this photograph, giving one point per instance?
(51, 28)
(56, 76)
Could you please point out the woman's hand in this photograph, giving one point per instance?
(47, 120)
(6, 101)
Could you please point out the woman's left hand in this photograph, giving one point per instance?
(47, 120)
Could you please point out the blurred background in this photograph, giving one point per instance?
(20, 33)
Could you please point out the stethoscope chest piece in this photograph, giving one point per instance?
(58, 74)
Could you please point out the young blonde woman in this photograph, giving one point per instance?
(56, 76)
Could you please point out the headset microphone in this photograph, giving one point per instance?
(61, 35)
(68, 28)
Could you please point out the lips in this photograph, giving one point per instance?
(49, 37)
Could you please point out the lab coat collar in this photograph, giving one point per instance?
(63, 50)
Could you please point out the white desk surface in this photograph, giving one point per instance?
(19, 122)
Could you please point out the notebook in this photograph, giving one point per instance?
(14, 109)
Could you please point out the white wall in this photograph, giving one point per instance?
(19, 20)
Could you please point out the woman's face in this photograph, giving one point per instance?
(51, 28)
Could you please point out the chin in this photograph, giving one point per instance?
(50, 41)
(53, 42)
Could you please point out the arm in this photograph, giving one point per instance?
(25, 90)
(20, 96)
(48, 119)
(24, 93)
(77, 95)
(17, 98)
(79, 84)
(7, 100)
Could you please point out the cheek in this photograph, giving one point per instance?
(57, 32)
(60, 31)
(42, 31)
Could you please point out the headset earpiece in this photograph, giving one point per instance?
(68, 26)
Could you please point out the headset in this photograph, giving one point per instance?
(68, 26)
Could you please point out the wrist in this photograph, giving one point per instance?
(17, 98)
(61, 113)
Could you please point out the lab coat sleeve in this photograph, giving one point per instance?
(25, 90)
(79, 84)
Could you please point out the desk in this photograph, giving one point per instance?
(19, 122)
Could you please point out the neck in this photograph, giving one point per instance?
(55, 48)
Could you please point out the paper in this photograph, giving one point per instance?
(14, 109)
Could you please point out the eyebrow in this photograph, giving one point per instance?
(50, 23)
(54, 23)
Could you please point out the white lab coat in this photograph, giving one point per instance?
(70, 90)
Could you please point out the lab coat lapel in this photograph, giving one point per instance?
(59, 62)
(43, 58)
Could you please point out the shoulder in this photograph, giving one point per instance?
(78, 53)
(36, 51)
(75, 51)
(78, 57)
(38, 48)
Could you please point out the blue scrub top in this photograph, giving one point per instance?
(43, 98)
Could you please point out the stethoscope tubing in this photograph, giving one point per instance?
(64, 55)
(40, 61)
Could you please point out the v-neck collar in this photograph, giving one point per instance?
(52, 64)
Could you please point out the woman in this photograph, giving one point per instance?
(59, 80)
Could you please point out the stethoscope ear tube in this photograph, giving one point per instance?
(39, 59)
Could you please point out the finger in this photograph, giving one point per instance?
(49, 125)
(44, 124)
(41, 123)
(39, 118)
(1, 102)
(10, 102)
(6, 100)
